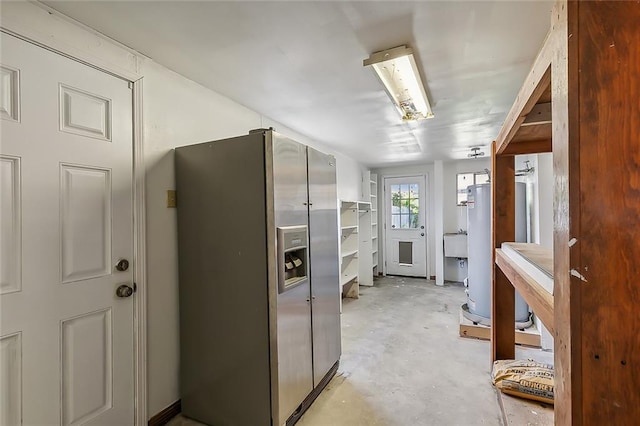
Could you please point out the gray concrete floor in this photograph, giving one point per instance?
(403, 362)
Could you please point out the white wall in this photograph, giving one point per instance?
(177, 112)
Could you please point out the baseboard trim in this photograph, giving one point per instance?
(163, 417)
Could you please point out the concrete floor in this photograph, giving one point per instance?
(403, 363)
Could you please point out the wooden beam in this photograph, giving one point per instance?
(539, 300)
(530, 147)
(535, 85)
(605, 209)
(566, 295)
(503, 229)
(540, 114)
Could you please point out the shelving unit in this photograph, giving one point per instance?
(364, 243)
(373, 191)
(578, 97)
(349, 245)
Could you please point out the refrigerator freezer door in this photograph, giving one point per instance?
(293, 380)
(325, 275)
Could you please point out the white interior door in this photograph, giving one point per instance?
(405, 226)
(66, 339)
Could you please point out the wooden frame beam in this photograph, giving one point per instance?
(503, 306)
(536, 83)
(529, 147)
(540, 114)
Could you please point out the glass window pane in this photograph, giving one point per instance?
(404, 191)
(404, 221)
(395, 221)
(395, 197)
(414, 190)
(482, 178)
(414, 221)
(464, 180)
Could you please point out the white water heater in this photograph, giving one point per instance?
(480, 249)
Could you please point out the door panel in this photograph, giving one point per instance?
(85, 222)
(290, 196)
(11, 242)
(325, 274)
(10, 385)
(405, 226)
(87, 377)
(67, 219)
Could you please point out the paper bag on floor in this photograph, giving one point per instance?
(524, 378)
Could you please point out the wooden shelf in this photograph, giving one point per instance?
(539, 299)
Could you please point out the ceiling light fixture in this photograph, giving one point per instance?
(475, 152)
(399, 74)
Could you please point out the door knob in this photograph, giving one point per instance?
(122, 265)
(124, 290)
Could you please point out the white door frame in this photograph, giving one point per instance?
(139, 214)
(385, 219)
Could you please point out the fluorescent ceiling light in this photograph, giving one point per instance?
(399, 74)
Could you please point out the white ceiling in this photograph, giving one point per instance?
(300, 63)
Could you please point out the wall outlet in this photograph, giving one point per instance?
(172, 200)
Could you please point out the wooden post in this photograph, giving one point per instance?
(503, 229)
(596, 147)
(568, 400)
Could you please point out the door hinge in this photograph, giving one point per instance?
(130, 85)
(135, 287)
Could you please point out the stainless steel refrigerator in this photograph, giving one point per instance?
(259, 278)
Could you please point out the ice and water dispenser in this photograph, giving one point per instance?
(292, 256)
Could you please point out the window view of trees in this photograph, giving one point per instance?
(405, 206)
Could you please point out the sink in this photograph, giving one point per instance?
(455, 245)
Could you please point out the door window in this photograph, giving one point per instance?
(405, 206)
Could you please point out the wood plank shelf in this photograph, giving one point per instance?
(538, 298)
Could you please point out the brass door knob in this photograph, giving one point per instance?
(124, 290)
(122, 265)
